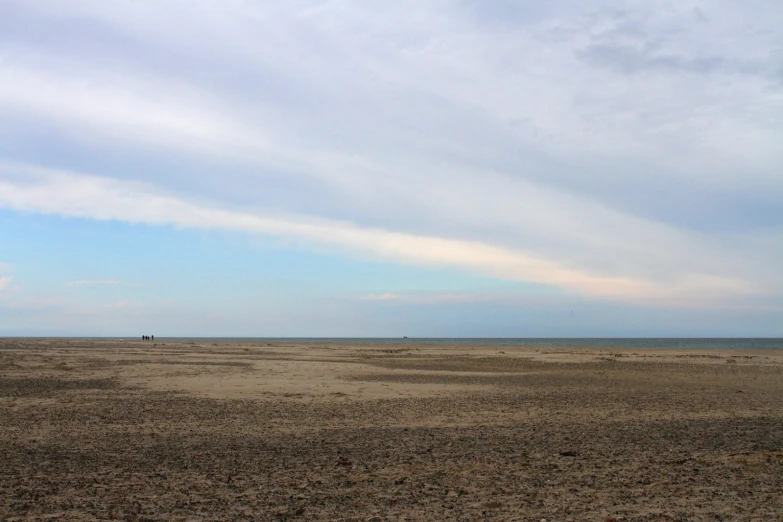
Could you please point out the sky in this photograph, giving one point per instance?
(461, 168)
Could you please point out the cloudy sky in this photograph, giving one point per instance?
(482, 168)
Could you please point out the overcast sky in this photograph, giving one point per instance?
(425, 168)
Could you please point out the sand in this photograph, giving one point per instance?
(132, 430)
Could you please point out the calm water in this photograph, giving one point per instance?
(670, 343)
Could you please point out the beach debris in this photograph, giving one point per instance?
(342, 461)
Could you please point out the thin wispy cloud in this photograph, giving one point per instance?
(106, 282)
(118, 305)
(388, 296)
(5, 281)
(102, 199)
(438, 298)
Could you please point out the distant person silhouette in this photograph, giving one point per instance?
(152, 337)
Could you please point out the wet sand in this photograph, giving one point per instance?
(97, 430)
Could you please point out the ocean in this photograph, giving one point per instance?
(686, 343)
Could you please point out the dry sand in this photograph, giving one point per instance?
(96, 430)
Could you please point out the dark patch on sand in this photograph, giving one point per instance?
(49, 386)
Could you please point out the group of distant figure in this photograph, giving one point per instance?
(147, 337)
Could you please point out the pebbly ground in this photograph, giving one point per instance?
(610, 439)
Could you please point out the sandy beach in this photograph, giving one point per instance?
(132, 430)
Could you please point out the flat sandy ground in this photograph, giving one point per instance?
(96, 430)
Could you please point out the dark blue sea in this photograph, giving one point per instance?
(637, 343)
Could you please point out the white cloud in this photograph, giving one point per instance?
(381, 297)
(422, 85)
(625, 150)
(440, 298)
(108, 282)
(4, 282)
(91, 197)
(145, 112)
